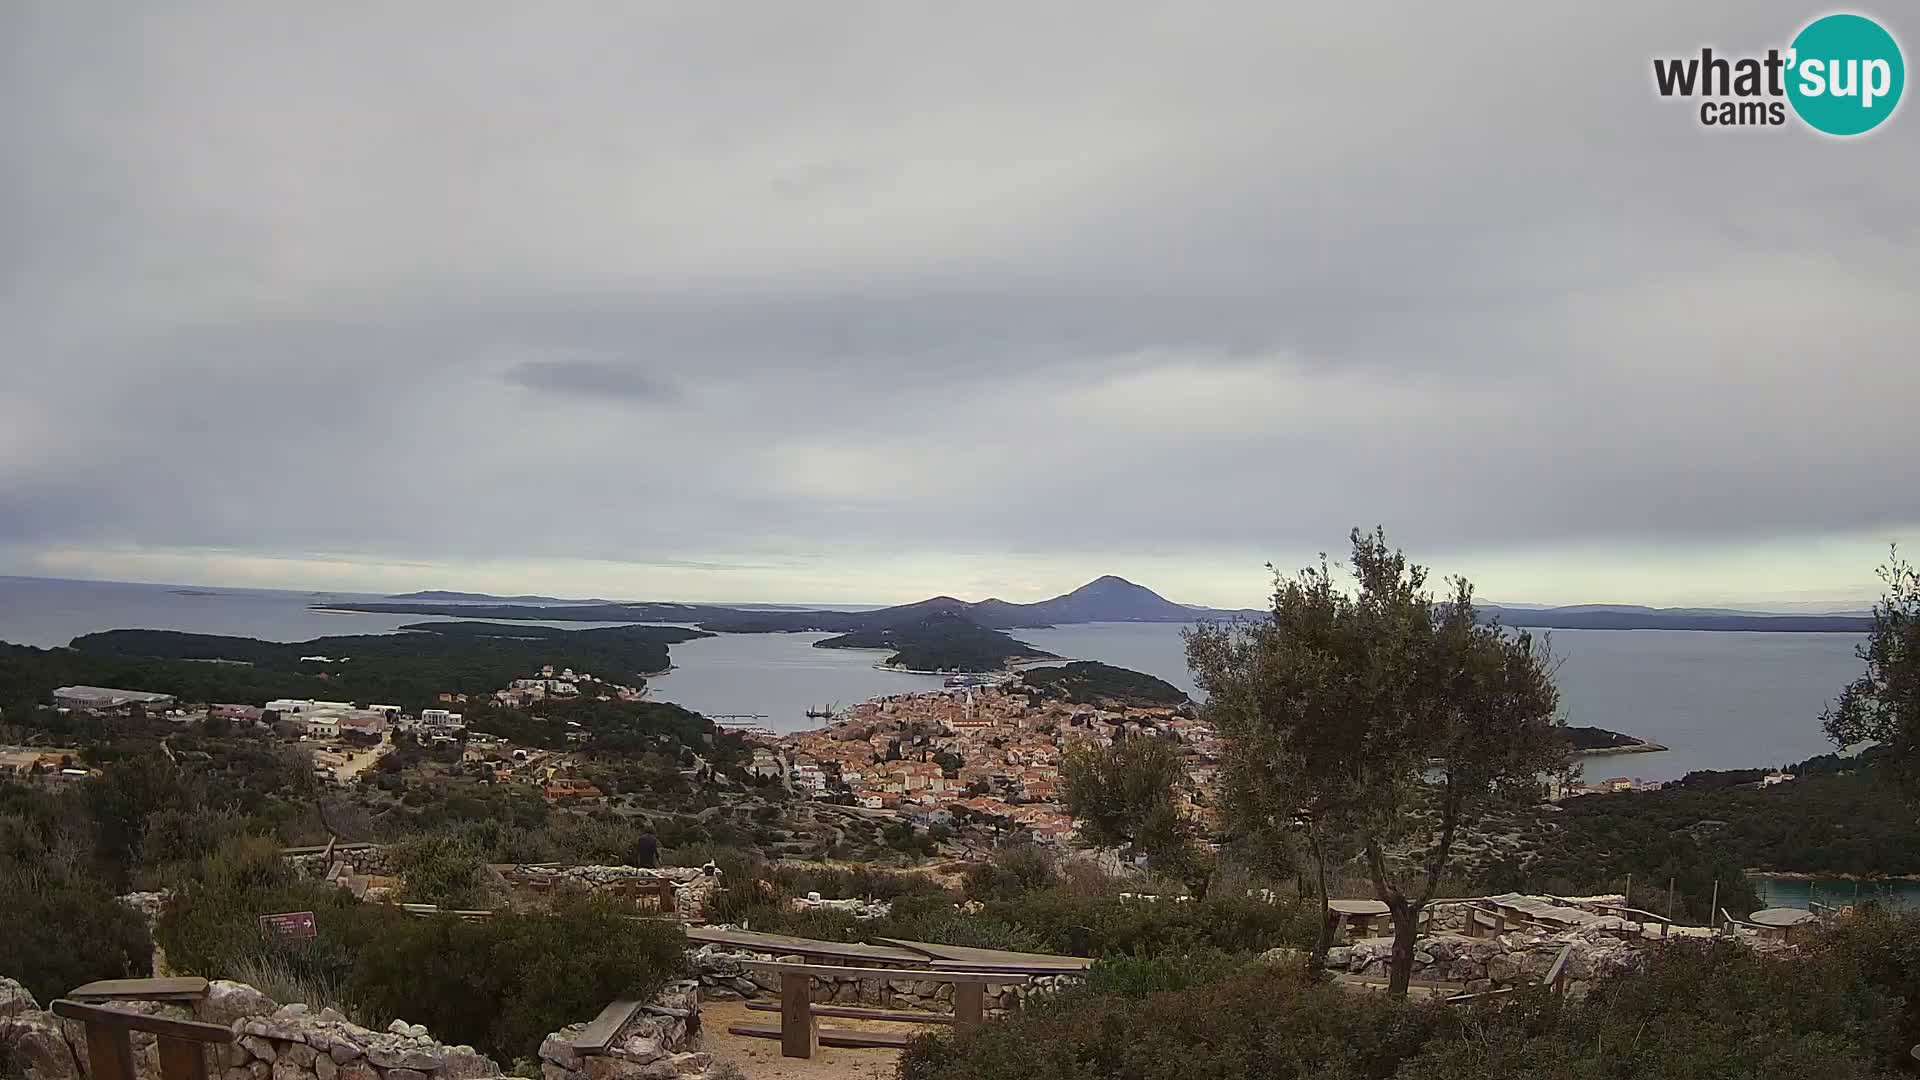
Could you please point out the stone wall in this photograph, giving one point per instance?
(724, 976)
(272, 1042)
(692, 886)
(313, 864)
(294, 1042)
(1517, 959)
(660, 1040)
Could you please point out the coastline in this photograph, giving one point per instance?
(1800, 875)
(1641, 747)
(1013, 668)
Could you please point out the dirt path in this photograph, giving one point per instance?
(759, 1059)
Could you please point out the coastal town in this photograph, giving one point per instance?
(983, 751)
(986, 751)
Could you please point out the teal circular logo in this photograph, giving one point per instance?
(1846, 74)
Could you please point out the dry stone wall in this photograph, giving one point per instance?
(271, 1041)
(294, 1042)
(313, 864)
(693, 886)
(1492, 963)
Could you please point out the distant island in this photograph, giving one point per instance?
(407, 669)
(471, 598)
(940, 643)
(1593, 740)
(1104, 599)
(1086, 682)
(1628, 617)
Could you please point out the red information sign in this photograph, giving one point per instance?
(292, 924)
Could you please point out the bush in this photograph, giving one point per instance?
(1014, 871)
(1078, 925)
(502, 984)
(1138, 976)
(1884, 948)
(1262, 1021)
(60, 924)
(1699, 1010)
(439, 869)
(55, 938)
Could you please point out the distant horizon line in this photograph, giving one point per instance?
(1801, 608)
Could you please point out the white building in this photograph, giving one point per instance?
(439, 722)
(322, 725)
(295, 706)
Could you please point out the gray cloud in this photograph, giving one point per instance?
(751, 286)
(589, 377)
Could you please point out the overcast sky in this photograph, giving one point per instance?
(842, 302)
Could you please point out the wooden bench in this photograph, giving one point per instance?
(182, 1043)
(598, 1034)
(1637, 915)
(799, 1031)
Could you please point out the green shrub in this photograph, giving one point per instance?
(1065, 922)
(1697, 1010)
(439, 869)
(838, 883)
(1701, 1010)
(502, 984)
(60, 924)
(1014, 871)
(1262, 1021)
(1884, 948)
(1138, 976)
(57, 937)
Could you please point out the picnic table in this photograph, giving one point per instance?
(801, 1035)
(1783, 919)
(1359, 914)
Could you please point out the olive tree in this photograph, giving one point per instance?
(1376, 717)
(1883, 704)
(1125, 794)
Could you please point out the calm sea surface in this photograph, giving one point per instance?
(1718, 700)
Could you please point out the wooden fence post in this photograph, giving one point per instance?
(799, 1030)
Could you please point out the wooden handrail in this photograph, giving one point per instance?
(182, 1043)
(1557, 974)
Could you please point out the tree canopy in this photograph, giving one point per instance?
(1379, 714)
(1883, 704)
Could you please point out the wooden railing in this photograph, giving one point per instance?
(182, 1043)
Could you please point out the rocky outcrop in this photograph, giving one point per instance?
(35, 1042)
(724, 976)
(148, 904)
(660, 1040)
